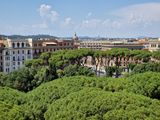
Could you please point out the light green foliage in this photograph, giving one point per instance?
(147, 84)
(95, 102)
(80, 97)
(99, 105)
(10, 96)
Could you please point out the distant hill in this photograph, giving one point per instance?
(28, 36)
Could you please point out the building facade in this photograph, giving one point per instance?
(1, 55)
(154, 46)
(15, 53)
(96, 45)
(50, 45)
(106, 45)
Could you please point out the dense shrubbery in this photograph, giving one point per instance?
(95, 97)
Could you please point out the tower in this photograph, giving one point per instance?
(75, 40)
(75, 37)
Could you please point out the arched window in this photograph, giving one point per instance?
(18, 44)
(22, 44)
(13, 45)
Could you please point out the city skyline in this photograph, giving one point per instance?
(97, 18)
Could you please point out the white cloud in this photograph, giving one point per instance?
(134, 20)
(141, 14)
(46, 12)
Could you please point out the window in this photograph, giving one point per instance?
(22, 44)
(18, 63)
(13, 52)
(28, 51)
(18, 51)
(13, 58)
(18, 45)
(153, 45)
(22, 51)
(13, 45)
(18, 58)
(22, 57)
(7, 53)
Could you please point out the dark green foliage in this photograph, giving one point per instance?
(3, 78)
(131, 66)
(99, 105)
(35, 63)
(73, 70)
(110, 71)
(21, 79)
(141, 68)
(156, 55)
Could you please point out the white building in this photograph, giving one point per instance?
(154, 46)
(16, 51)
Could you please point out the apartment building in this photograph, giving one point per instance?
(106, 44)
(15, 53)
(50, 45)
(97, 45)
(123, 44)
(1, 56)
(154, 46)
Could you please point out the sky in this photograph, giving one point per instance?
(103, 18)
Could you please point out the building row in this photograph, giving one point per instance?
(14, 53)
(146, 44)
